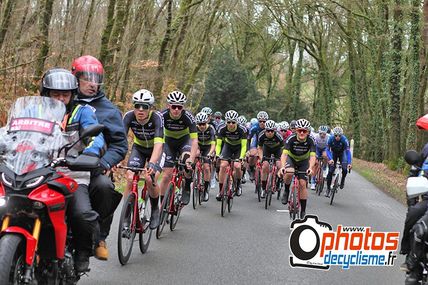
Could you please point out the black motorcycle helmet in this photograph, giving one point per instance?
(59, 79)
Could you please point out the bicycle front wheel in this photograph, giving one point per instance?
(258, 184)
(164, 211)
(177, 210)
(295, 210)
(230, 196)
(224, 193)
(195, 188)
(127, 229)
(145, 233)
(334, 189)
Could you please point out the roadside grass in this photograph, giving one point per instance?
(391, 182)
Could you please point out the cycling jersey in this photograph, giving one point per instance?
(338, 147)
(274, 142)
(254, 135)
(206, 137)
(299, 150)
(148, 134)
(179, 128)
(235, 138)
(286, 135)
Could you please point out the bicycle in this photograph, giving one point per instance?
(171, 204)
(134, 218)
(198, 181)
(319, 177)
(294, 196)
(337, 176)
(229, 187)
(258, 180)
(271, 181)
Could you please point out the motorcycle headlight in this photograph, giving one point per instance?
(3, 201)
(34, 181)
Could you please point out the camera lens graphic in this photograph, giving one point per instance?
(296, 247)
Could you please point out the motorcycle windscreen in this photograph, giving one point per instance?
(32, 135)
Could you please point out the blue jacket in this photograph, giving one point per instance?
(254, 135)
(338, 147)
(114, 132)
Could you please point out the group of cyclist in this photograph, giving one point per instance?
(163, 137)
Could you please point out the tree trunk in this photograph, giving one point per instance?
(395, 78)
(44, 37)
(105, 40)
(10, 4)
(88, 26)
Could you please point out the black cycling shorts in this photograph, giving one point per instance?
(230, 151)
(267, 152)
(302, 165)
(173, 148)
(139, 155)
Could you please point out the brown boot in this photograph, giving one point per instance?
(101, 252)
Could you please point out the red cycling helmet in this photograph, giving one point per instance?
(422, 122)
(88, 68)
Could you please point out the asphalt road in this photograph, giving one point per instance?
(250, 245)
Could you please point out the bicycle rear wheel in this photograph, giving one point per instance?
(278, 191)
(177, 210)
(320, 181)
(269, 187)
(164, 211)
(145, 234)
(127, 229)
(224, 193)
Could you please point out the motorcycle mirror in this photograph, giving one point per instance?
(92, 131)
(412, 157)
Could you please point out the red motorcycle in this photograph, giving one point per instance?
(35, 242)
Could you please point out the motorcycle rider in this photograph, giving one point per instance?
(60, 84)
(89, 72)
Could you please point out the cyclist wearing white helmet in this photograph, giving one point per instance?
(338, 149)
(147, 126)
(243, 122)
(321, 140)
(206, 141)
(299, 153)
(217, 120)
(181, 139)
(234, 138)
(253, 136)
(270, 142)
(284, 130)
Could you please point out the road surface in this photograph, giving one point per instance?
(250, 245)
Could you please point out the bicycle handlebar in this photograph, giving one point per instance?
(138, 170)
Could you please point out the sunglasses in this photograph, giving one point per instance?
(231, 122)
(177, 107)
(269, 131)
(218, 118)
(262, 121)
(284, 131)
(142, 106)
(201, 124)
(302, 131)
(337, 136)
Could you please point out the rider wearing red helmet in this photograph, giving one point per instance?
(90, 72)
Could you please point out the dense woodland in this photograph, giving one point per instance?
(358, 64)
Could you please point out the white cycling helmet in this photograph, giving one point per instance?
(270, 125)
(254, 121)
(143, 96)
(337, 131)
(176, 97)
(231, 115)
(303, 124)
(262, 116)
(323, 129)
(207, 110)
(284, 125)
(201, 118)
(242, 120)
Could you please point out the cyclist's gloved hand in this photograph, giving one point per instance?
(331, 161)
(282, 170)
(309, 171)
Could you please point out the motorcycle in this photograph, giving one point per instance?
(416, 186)
(35, 241)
